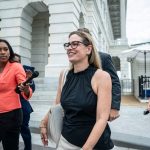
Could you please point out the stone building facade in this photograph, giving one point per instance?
(37, 29)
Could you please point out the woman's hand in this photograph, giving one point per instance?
(43, 132)
(24, 88)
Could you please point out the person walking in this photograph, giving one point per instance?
(85, 98)
(26, 107)
(27, 110)
(107, 65)
(12, 75)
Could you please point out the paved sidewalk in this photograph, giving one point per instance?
(130, 131)
(132, 128)
(129, 100)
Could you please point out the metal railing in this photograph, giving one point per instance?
(127, 86)
(144, 86)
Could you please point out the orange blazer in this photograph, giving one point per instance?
(12, 75)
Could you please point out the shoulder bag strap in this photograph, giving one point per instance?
(63, 79)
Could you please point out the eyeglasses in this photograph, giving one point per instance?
(73, 44)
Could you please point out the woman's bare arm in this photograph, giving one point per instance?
(101, 84)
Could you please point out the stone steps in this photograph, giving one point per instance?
(42, 99)
(42, 102)
(43, 95)
(45, 87)
(45, 92)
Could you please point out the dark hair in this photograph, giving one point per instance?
(17, 55)
(10, 50)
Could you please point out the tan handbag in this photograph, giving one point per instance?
(55, 118)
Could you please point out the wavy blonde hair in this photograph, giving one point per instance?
(87, 39)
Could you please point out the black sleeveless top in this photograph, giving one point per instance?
(79, 103)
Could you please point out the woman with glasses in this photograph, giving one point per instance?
(85, 98)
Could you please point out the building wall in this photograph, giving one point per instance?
(39, 46)
(16, 27)
(40, 42)
(64, 16)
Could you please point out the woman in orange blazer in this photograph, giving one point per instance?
(12, 75)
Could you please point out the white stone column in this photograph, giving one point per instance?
(123, 5)
(64, 18)
(25, 34)
(97, 23)
(91, 21)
